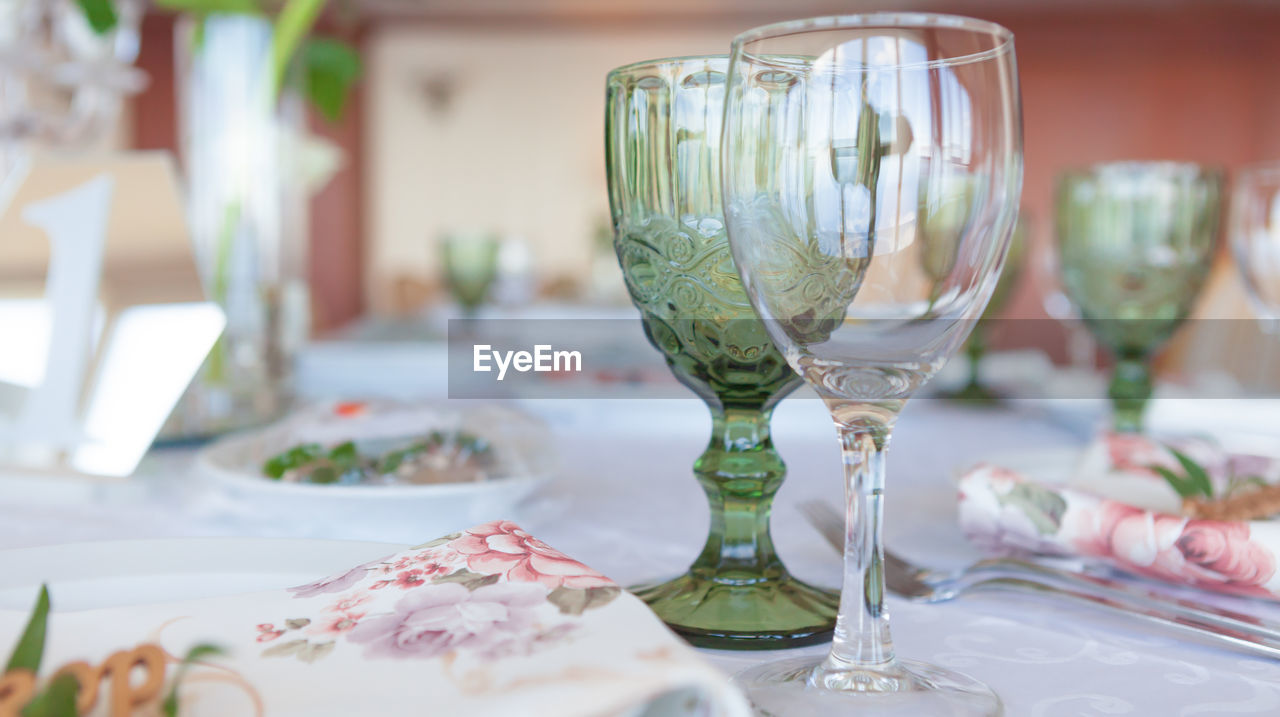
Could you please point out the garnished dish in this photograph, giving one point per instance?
(373, 443)
(438, 457)
(383, 470)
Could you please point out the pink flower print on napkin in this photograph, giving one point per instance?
(432, 620)
(336, 624)
(268, 632)
(1000, 509)
(409, 579)
(1226, 549)
(503, 548)
(334, 583)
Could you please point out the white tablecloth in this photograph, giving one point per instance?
(626, 503)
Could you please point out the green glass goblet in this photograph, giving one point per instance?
(470, 268)
(1135, 243)
(662, 142)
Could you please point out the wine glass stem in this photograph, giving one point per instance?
(1129, 391)
(740, 472)
(862, 647)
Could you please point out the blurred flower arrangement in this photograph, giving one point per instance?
(330, 67)
(244, 68)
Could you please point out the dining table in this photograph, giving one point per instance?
(623, 500)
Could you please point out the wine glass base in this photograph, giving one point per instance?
(763, 614)
(796, 687)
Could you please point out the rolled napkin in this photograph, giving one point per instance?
(1116, 510)
(489, 621)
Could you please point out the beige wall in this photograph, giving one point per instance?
(519, 148)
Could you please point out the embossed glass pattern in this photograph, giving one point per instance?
(1135, 243)
(663, 151)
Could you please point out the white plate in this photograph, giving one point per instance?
(85, 576)
(399, 513)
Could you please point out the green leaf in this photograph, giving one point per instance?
(295, 457)
(30, 648)
(292, 26)
(574, 601)
(202, 650)
(345, 455)
(393, 460)
(100, 15)
(311, 652)
(331, 69)
(1042, 506)
(205, 7)
(324, 475)
(1196, 474)
(1180, 485)
(284, 649)
(197, 32)
(467, 579)
(57, 700)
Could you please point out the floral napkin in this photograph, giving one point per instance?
(1118, 510)
(489, 621)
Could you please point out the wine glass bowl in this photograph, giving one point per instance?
(872, 167)
(1254, 229)
(663, 149)
(1135, 244)
(470, 268)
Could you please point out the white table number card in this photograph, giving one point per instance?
(103, 321)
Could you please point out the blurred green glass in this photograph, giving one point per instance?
(1135, 243)
(470, 268)
(662, 142)
(976, 348)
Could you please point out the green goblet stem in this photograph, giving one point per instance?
(975, 350)
(1129, 391)
(740, 472)
(738, 594)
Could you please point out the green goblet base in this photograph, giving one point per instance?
(751, 613)
(974, 393)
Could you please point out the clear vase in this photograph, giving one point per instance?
(247, 210)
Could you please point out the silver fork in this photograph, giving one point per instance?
(920, 584)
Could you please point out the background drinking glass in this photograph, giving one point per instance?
(1254, 227)
(1135, 242)
(470, 267)
(662, 143)
(1082, 350)
(872, 169)
(976, 347)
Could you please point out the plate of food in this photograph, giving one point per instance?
(384, 470)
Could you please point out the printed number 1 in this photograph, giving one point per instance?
(76, 225)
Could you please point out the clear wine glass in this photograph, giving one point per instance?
(845, 139)
(1254, 229)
